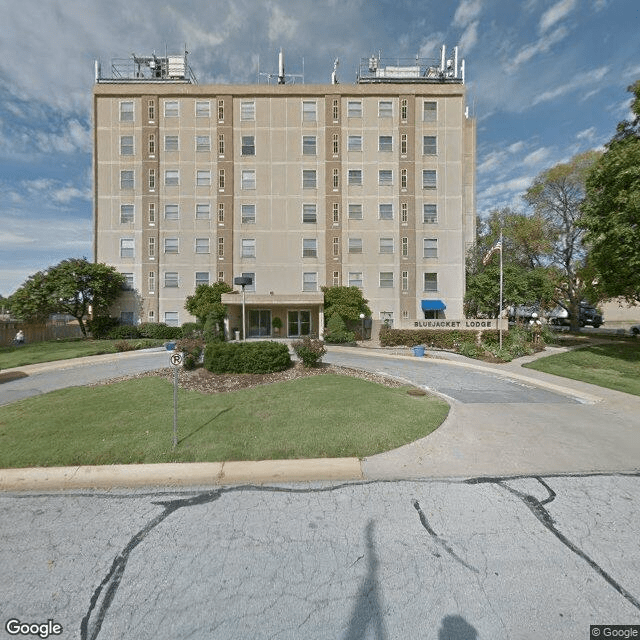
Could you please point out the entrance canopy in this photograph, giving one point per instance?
(433, 305)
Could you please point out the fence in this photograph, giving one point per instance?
(37, 332)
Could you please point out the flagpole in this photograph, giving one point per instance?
(500, 310)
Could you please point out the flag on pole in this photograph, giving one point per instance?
(496, 247)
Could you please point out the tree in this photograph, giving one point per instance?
(201, 303)
(73, 286)
(556, 195)
(346, 301)
(611, 211)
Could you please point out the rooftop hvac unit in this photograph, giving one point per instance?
(177, 66)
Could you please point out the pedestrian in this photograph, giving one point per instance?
(19, 339)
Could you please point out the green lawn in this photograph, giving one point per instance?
(62, 350)
(132, 422)
(614, 366)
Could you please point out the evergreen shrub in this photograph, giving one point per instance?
(246, 357)
(309, 351)
(336, 331)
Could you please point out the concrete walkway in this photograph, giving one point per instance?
(576, 428)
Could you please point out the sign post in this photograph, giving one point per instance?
(176, 362)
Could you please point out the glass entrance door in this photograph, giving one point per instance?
(299, 323)
(259, 323)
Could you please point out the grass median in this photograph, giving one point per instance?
(131, 422)
(613, 366)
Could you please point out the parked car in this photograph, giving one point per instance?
(634, 329)
(589, 315)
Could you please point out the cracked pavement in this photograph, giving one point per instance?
(477, 558)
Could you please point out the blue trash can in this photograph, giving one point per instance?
(418, 352)
(170, 346)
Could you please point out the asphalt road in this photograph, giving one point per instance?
(469, 559)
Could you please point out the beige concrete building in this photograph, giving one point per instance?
(297, 186)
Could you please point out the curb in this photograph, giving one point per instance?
(179, 474)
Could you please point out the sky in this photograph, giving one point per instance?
(546, 79)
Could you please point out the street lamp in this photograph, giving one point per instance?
(362, 321)
(243, 281)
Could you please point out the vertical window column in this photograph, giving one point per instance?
(333, 153)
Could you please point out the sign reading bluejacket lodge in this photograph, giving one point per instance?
(466, 324)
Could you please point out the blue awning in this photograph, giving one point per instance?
(433, 305)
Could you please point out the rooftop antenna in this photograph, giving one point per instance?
(334, 74)
(281, 67)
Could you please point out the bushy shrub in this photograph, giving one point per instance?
(336, 331)
(471, 350)
(159, 331)
(246, 357)
(309, 351)
(192, 330)
(192, 349)
(214, 324)
(125, 332)
(101, 326)
(124, 345)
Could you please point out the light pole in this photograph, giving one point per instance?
(362, 322)
(243, 281)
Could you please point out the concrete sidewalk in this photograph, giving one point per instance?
(601, 433)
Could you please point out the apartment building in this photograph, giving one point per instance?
(295, 186)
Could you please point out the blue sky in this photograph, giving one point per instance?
(546, 79)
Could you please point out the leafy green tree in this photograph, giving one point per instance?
(556, 196)
(611, 211)
(214, 324)
(201, 303)
(345, 301)
(73, 286)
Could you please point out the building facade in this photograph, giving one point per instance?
(295, 186)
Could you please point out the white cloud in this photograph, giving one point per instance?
(469, 38)
(467, 12)
(514, 185)
(556, 13)
(537, 157)
(541, 46)
(282, 26)
(588, 79)
(68, 193)
(587, 134)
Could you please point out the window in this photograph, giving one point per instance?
(248, 248)
(355, 176)
(152, 179)
(220, 247)
(404, 216)
(171, 143)
(354, 109)
(404, 108)
(171, 109)
(151, 281)
(221, 179)
(429, 179)
(220, 211)
(221, 110)
(126, 145)
(151, 110)
(248, 178)
(171, 245)
(385, 143)
(248, 146)
(336, 144)
(335, 111)
(430, 248)
(203, 144)
(203, 109)
(309, 145)
(430, 214)
(355, 211)
(152, 144)
(171, 177)
(355, 279)
(127, 248)
(171, 212)
(247, 110)
(385, 211)
(430, 282)
(309, 248)
(171, 318)
(203, 211)
(309, 214)
(429, 147)
(203, 178)
(336, 178)
(386, 279)
(405, 281)
(220, 276)
(128, 281)
(403, 144)
(309, 179)
(202, 277)
(152, 212)
(403, 178)
(336, 245)
(405, 247)
(126, 180)
(202, 245)
(385, 109)
(309, 111)
(354, 143)
(126, 213)
(386, 245)
(429, 111)
(248, 213)
(336, 213)
(310, 281)
(385, 177)
(152, 247)
(336, 278)
(126, 111)
(355, 245)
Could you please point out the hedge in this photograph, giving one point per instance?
(433, 338)
(246, 357)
